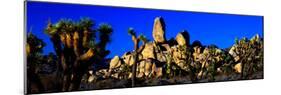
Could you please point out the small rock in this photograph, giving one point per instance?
(159, 71)
(238, 68)
(91, 79)
(115, 75)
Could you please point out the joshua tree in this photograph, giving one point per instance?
(105, 32)
(34, 48)
(136, 41)
(76, 48)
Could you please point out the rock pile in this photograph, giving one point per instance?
(163, 58)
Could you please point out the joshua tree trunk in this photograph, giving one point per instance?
(137, 50)
(136, 45)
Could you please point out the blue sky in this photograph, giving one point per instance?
(209, 28)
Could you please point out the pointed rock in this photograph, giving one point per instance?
(159, 30)
(183, 38)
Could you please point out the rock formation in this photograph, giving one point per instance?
(168, 59)
(183, 38)
(159, 30)
(148, 51)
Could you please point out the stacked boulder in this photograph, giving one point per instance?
(155, 54)
(176, 57)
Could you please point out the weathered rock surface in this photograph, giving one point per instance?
(128, 58)
(180, 57)
(149, 67)
(233, 51)
(115, 62)
(159, 30)
(182, 38)
(148, 51)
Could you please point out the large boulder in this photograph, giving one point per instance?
(159, 72)
(115, 62)
(159, 30)
(147, 68)
(148, 51)
(182, 38)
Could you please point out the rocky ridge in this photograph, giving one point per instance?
(163, 61)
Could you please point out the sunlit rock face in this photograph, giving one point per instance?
(115, 62)
(238, 68)
(159, 30)
(234, 52)
(147, 69)
(148, 51)
(182, 38)
(128, 58)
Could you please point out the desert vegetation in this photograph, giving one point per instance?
(79, 61)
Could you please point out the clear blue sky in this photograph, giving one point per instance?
(209, 28)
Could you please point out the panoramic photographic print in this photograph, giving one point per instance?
(76, 47)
